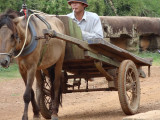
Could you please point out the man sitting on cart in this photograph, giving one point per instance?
(89, 22)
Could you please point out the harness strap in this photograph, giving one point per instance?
(33, 44)
(25, 13)
(42, 54)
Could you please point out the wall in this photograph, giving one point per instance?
(132, 33)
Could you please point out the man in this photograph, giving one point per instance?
(89, 22)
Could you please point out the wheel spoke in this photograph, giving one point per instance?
(128, 86)
(47, 84)
(131, 86)
(130, 91)
(130, 79)
(129, 97)
(135, 90)
(131, 83)
(46, 100)
(46, 92)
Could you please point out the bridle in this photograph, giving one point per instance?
(28, 49)
(11, 53)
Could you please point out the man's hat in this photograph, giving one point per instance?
(81, 1)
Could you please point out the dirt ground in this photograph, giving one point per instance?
(82, 106)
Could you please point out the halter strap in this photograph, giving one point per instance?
(5, 54)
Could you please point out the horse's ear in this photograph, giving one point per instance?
(18, 19)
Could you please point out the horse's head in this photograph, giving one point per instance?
(8, 37)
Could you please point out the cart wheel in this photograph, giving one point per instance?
(45, 98)
(128, 87)
(45, 95)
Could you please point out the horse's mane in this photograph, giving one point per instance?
(7, 17)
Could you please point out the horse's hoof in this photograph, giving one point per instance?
(36, 117)
(54, 117)
(24, 118)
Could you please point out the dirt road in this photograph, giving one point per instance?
(81, 106)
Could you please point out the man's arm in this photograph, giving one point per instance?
(97, 31)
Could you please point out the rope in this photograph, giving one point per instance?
(38, 12)
(25, 35)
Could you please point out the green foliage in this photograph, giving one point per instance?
(10, 4)
(97, 6)
(101, 7)
(151, 8)
(128, 7)
(11, 72)
(137, 7)
(155, 56)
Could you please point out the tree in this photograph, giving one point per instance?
(112, 6)
(101, 7)
(6, 4)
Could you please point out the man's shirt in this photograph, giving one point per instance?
(90, 25)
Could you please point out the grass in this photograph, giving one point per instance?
(155, 56)
(11, 72)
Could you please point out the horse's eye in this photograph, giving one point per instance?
(12, 40)
(12, 36)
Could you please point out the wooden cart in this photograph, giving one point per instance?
(97, 58)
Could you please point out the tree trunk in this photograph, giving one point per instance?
(112, 6)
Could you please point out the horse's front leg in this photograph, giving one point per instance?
(29, 95)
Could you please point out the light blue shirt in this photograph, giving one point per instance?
(90, 25)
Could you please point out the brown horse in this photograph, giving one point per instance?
(12, 36)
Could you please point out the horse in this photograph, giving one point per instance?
(31, 65)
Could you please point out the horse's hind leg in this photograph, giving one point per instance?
(57, 92)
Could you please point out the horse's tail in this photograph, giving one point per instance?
(51, 72)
